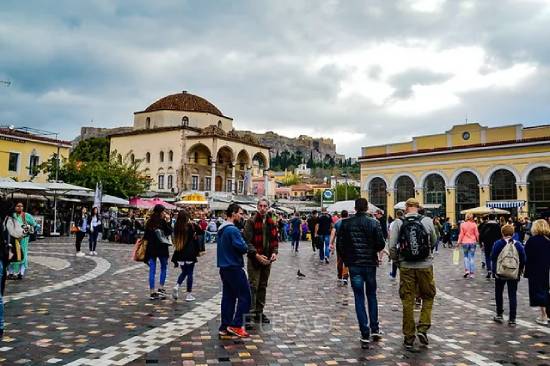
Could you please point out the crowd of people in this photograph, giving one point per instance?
(512, 249)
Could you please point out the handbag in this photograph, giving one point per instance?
(456, 256)
(14, 228)
(138, 254)
(162, 238)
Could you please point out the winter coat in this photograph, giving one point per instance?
(359, 240)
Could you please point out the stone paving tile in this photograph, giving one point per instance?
(313, 319)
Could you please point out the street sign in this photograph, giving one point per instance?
(328, 196)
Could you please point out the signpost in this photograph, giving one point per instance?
(327, 196)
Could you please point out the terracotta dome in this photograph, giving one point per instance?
(184, 102)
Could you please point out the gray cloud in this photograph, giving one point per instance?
(73, 62)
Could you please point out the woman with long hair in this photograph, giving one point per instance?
(82, 228)
(94, 227)
(157, 233)
(537, 268)
(26, 221)
(186, 251)
(468, 239)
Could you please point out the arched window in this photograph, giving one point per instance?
(434, 193)
(162, 156)
(148, 122)
(404, 189)
(503, 185)
(170, 155)
(220, 125)
(377, 193)
(161, 181)
(170, 183)
(539, 191)
(148, 157)
(185, 121)
(467, 192)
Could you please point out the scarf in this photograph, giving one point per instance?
(258, 237)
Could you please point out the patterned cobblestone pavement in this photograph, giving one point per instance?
(106, 318)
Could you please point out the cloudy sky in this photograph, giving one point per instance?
(361, 72)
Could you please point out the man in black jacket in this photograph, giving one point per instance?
(359, 239)
(488, 234)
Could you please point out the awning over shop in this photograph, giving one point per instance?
(506, 204)
(218, 206)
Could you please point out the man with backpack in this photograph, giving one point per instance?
(411, 243)
(359, 239)
(489, 233)
(508, 261)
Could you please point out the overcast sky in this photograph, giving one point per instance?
(361, 72)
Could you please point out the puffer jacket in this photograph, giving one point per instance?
(359, 239)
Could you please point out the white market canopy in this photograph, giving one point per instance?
(12, 185)
(63, 187)
(348, 206)
(484, 210)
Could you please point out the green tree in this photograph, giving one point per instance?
(93, 149)
(122, 179)
(353, 192)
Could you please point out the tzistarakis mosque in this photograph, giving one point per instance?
(468, 166)
(185, 143)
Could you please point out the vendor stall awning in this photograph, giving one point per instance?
(506, 204)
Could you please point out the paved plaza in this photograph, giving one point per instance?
(96, 311)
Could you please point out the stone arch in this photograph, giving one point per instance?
(243, 157)
(529, 168)
(424, 176)
(404, 174)
(457, 172)
(261, 159)
(371, 177)
(199, 152)
(493, 169)
(225, 155)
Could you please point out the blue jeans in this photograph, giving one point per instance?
(363, 282)
(92, 239)
(1, 298)
(469, 253)
(235, 291)
(153, 269)
(295, 240)
(324, 251)
(187, 271)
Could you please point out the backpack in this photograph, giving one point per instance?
(414, 241)
(508, 262)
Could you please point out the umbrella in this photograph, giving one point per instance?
(9, 184)
(400, 206)
(141, 203)
(158, 201)
(113, 200)
(349, 206)
(484, 210)
(57, 188)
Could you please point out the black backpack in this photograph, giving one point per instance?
(414, 240)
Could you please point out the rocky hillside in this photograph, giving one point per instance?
(318, 148)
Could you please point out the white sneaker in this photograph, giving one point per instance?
(175, 292)
(189, 297)
(80, 254)
(541, 321)
(91, 253)
(95, 253)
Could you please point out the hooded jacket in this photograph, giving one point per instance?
(231, 246)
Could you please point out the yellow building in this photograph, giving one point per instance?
(468, 166)
(186, 144)
(21, 152)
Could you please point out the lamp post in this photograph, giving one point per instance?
(346, 183)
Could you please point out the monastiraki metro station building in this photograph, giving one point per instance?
(186, 144)
(468, 166)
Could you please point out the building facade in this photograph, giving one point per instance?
(184, 144)
(21, 152)
(468, 166)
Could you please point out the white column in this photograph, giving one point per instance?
(213, 177)
(233, 182)
(266, 182)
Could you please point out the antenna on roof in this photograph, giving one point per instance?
(466, 118)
